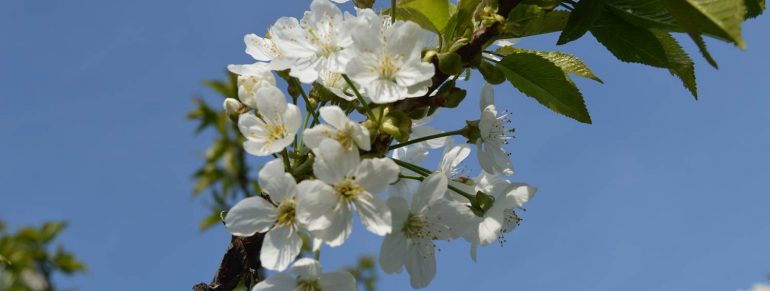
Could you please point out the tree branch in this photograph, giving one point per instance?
(468, 52)
(241, 259)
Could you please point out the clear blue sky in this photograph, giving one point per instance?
(660, 193)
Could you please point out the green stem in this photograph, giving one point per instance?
(425, 172)
(424, 138)
(392, 11)
(286, 163)
(411, 177)
(360, 98)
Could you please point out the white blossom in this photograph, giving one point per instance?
(350, 134)
(308, 278)
(491, 155)
(251, 78)
(315, 45)
(388, 64)
(282, 243)
(500, 218)
(760, 287)
(415, 227)
(274, 128)
(345, 183)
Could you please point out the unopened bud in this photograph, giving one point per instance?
(450, 63)
(233, 107)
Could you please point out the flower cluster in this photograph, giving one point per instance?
(326, 170)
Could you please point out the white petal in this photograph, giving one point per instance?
(490, 226)
(280, 247)
(307, 269)
(338, 281)
(314, 135)
(249, 216)
(421, 268)
(486, 158)
(361, 136)
(271, 102)
(374, 213)
(488, 120)
(518, 195)
(276, 282)
(258, 48)
(430, 190)
(340, 226)
(334, 116)
(333, 163)
(292, 119)
(393, 252)
(487, 96)
(399, 210)
(376, 174)
(257, 147)
(276, 182)
(453, 157)
(315, 200)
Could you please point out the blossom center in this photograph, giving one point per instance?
(349, 190)
(286, 212)
(276, 131)
(388, 68)
(416, 227)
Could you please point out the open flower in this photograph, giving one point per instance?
(282, 243)
(388, 65)
(316, 44)
(345, 183)
(274, 128)
(415, 228)
(500, 218)
(493, 135)
(351, 135)
(309, 278)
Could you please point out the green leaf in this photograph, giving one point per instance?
(211, 220)
(754, 8)
(67, 262)
(634, 44)
(529, 20)
(461, 21)
(568, 63)
(584, 15)
(629, 43)
(719, 18)
(644, 13)
(430, 14)
(541, 79)
(679, 63)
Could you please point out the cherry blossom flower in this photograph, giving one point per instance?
(250, 79)
(388, 62)
(415, 228)
(282, 243)
(490, 153)
(316, 44)
(274, 128)
(351, 135)
(345, 184)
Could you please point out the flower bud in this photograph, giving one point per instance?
(233, 108)
(450, 63)
(397, 124)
